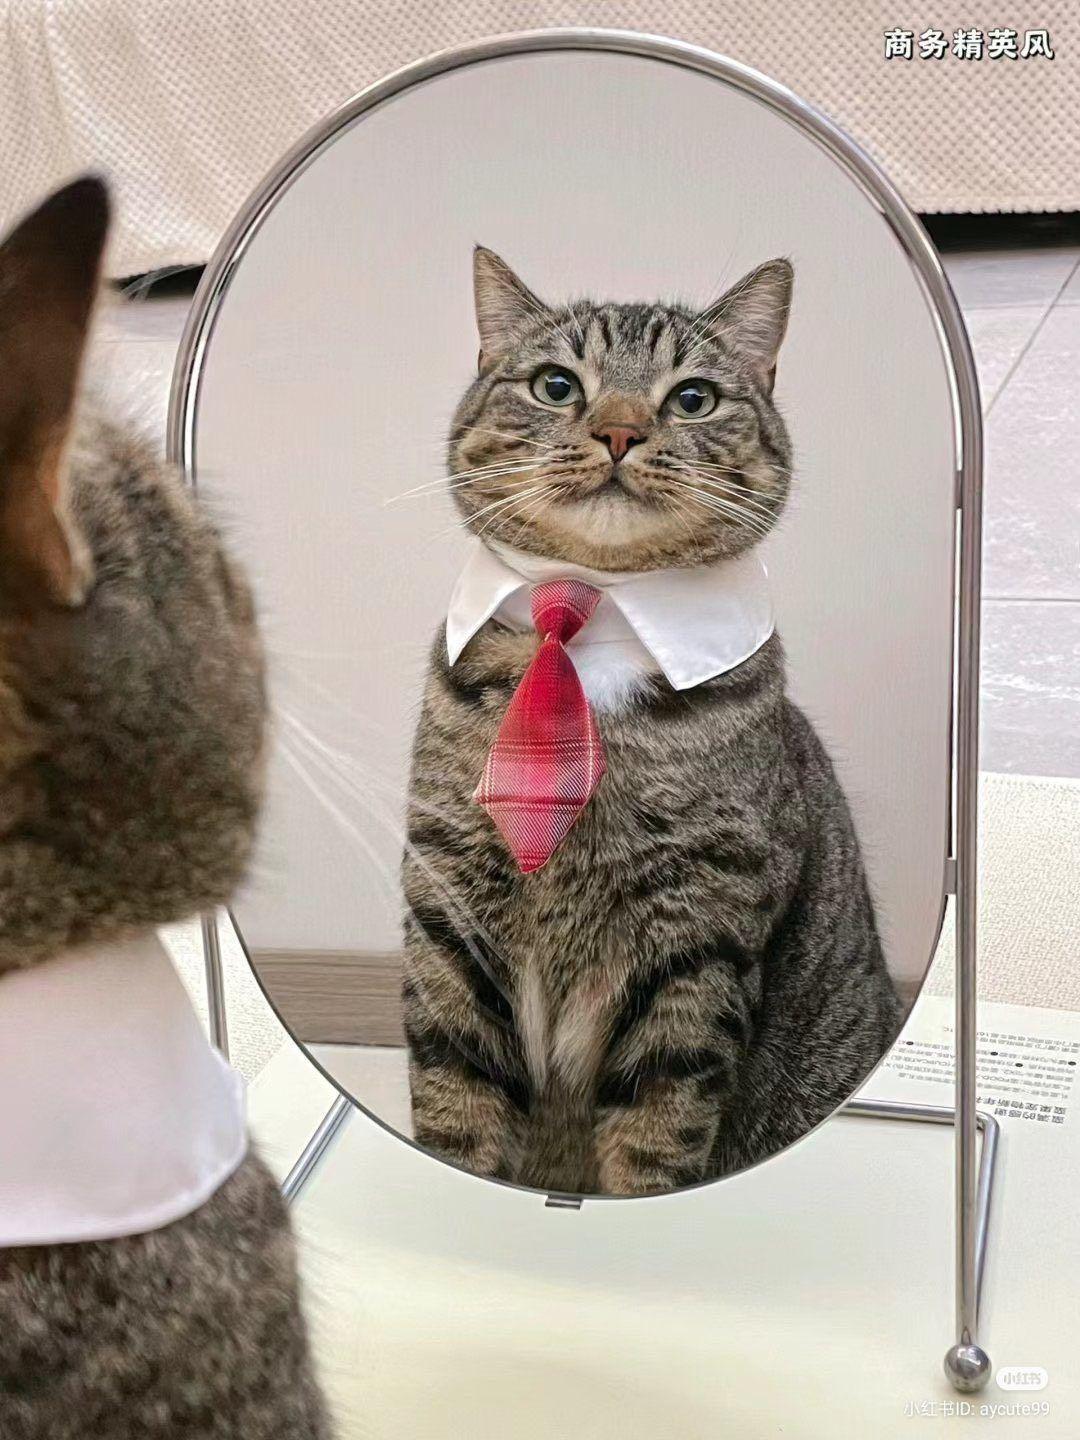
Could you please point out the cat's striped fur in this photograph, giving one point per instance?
(695, 978)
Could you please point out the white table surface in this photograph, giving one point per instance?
(811, 1297)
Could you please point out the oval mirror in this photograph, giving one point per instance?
(544, 389)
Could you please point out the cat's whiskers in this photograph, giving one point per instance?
(725, 489)
(753, 509)
(716, 473)
(754, 512)
(491, 470)
(721, 506)
(328, 700)
(389, 877)
(305, 753)
(702, 464)
(682, 514)
(498, 464)
(536, 499)
(459, 479)
(507, 435)
(781, 470)
(734, 513)
(506, 500)
(514, 495)
(303, 770)
(524, 516)
(366, 776)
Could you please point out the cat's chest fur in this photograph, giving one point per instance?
(662, 860)
(677, 844)
(612, 673)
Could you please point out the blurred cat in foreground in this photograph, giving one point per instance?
(148, 1282)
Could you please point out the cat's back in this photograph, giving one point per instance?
(186, 1330)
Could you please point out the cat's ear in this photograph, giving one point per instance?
(50, 268)
(753, 316)
(503, 306)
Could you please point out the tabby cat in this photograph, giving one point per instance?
(131, 739)
(694, 979)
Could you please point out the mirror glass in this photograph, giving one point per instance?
(542, 401)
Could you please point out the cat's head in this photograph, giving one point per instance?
(623, 437)
(131, 681)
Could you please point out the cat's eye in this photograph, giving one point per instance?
(693, 399)
(555, 386)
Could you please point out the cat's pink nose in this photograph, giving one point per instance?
(619, 438)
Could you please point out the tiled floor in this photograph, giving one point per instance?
(1023, 311)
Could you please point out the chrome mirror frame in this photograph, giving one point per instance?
(966, 1363)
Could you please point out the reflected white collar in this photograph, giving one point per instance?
(692, 624)
(117, 1117)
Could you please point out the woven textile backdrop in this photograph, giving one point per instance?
(186, 103)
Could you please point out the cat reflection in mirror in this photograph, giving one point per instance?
(148, 1283)
(676, 972)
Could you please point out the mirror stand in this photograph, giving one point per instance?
(966, 1364)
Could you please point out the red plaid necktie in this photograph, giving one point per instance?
(547, 759)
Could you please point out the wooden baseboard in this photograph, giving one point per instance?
(347, 997)
(335, 996)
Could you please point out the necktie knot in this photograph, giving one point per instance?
(561, 607)
(547, 759)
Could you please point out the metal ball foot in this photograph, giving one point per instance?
(968, 1367)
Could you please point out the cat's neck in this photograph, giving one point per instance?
(664, 630)
(117, 1116)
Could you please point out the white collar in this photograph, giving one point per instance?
(693, 623)
(117, 1116)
